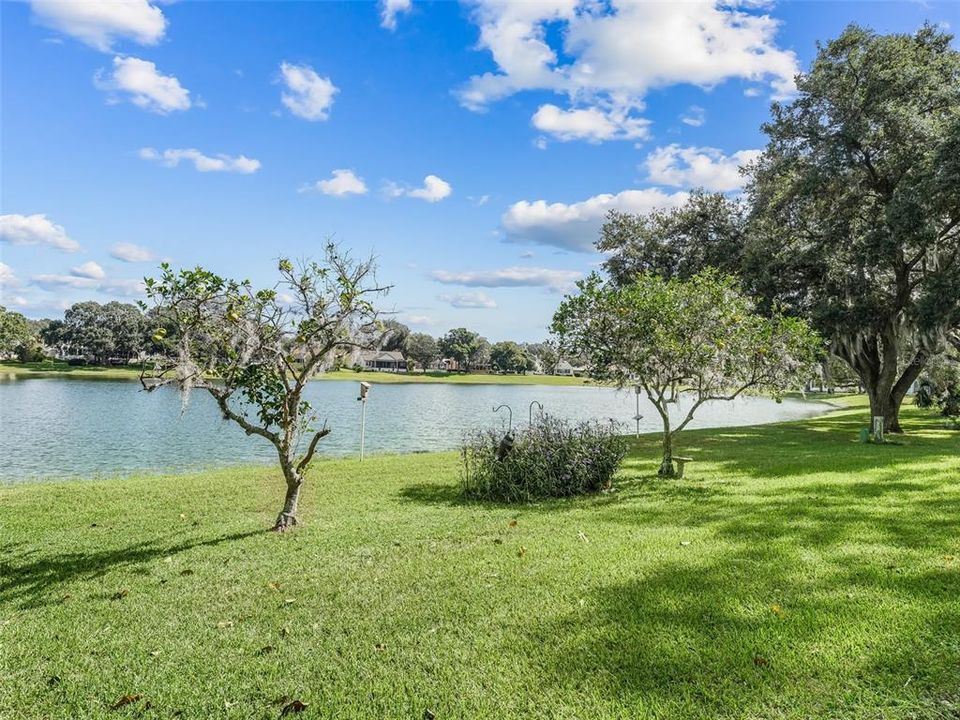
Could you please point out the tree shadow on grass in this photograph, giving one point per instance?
(451, 496)
(31, 582)
(780, 594)
(744, 635)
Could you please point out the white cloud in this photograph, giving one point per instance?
(705, 167)
(389, 9)
(608, 56)
(144, 86)
(8, 278)
(35, 230)
(421, 320)
(128, 252)
(575, 226)
(89, 269)
(592, 124)
(557, 280)
(342, 183)
(203, 163)
(123, 287)
(434, 189)
(471, 300)
(99, 23)
(695, 116)
(307, 95)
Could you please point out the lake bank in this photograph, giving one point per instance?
(92, 372)
(77, 427)
(793, 573)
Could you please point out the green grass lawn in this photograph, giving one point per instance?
(60, 369)
(793, 573)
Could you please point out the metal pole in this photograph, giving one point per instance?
(363, 424)
(638, 417)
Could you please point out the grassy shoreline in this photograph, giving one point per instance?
(131, 373)
(793, 574)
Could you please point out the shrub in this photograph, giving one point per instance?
(553, 458)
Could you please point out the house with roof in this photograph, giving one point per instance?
(565, 368)
(382, 360)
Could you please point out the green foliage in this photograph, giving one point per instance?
(460, 344)
(702, 335)
(856, 204)
(16, 336)
(706, 231)
(509, 357)
(553, 458)
(422, 349)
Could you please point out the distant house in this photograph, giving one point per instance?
(565, 368)
(382, 360)
(446, 365)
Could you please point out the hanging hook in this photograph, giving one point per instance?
(532, 403)
(510, 410)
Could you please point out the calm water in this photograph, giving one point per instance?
(59, 427)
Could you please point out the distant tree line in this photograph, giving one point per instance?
(113, 332)
(470, 350)
(89, 331)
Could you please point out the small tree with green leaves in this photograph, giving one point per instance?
(701, 336)
(254, 352)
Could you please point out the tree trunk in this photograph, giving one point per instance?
(288, 516)
(666, 465)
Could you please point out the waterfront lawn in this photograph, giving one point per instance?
(793, 573)
(61, 369)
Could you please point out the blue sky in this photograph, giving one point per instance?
(478, 145)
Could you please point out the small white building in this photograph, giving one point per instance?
(565, 368)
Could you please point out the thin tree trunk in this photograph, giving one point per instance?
(288, 515)
(666, 465)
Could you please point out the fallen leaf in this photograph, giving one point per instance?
(284, 631)
(777, 610)
(380, 646)
(183, 516)
(184, 573)
(522, 551)
(296, 706)
(168, 559)
(154, 653)
(225, 624)
(583, 536)
(760, 661)
(289, 601)
(273, 585)
(66, 597)
(124, 701)
(684, 543)
(120, 595)
(266, 650)
(428, 714)
(513, 523)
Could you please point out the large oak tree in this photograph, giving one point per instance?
(856, 205)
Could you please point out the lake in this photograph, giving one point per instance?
(62, 427)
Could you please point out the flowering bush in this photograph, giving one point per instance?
(552, 458)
